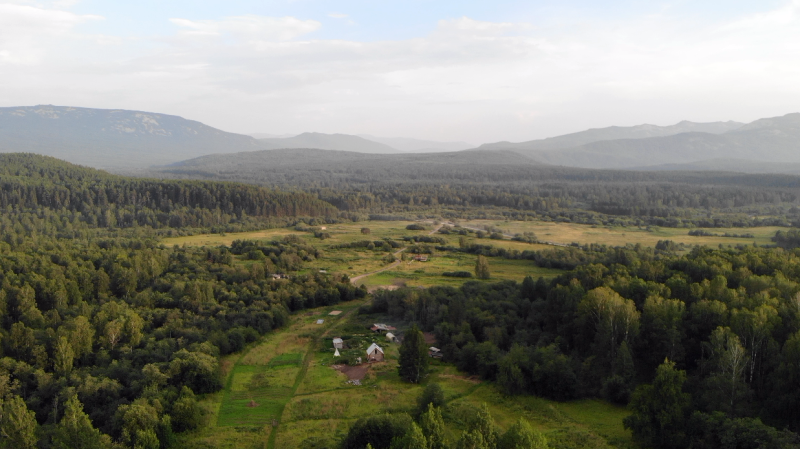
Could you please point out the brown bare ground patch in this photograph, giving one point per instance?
(253, 404)
(357, 372)
(430, 338)
(375, 288)
(470, 379)
(226, 366)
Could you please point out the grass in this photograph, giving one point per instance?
(314, 406)
(617, 235)
(358, 261)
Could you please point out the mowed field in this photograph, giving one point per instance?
(283, 393)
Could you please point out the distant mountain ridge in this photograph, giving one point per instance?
(614, 133)
(409, 145)
(775, 139)
(112, 138)
(339, 142)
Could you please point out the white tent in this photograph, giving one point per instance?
(336, 354)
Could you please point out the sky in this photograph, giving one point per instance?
(474, 71)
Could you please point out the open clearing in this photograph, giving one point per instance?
(368, 267)
(283, 392)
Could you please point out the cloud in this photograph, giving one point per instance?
(250, 28)
(26, 32)
(466, 80)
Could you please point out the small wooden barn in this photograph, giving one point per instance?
(375, 353)
(390, 337)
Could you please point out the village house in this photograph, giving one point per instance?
(338, 343)
(436, 353)
(380, 328)
(390, 337)
(375, 353)
(421, 257)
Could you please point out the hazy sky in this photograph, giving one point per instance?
(479, 71)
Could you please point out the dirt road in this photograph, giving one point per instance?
(397, 253)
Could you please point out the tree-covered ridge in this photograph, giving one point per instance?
(729, 318)
(34, 182)
(459, 183)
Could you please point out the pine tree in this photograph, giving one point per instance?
(413, 363)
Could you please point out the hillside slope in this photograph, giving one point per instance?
(340, 142)
(112, 138)
(613, 133)
(34, 182)
(409, 145)
(774, 139)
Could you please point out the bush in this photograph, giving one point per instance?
(616, 390)
(457, 274)
(378, 431)
(416, 227)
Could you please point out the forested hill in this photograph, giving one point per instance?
(33, 182)
(303, 167)
(341, 142)
(112, 138)
(613, 133)
(306, 164)
(457, 182)
(774, 139)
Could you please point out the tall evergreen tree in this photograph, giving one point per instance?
(413, 363)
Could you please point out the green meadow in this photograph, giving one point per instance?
(282, 392)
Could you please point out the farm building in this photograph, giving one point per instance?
(382, 328)
(338, 343)
(421, 257)
(435, 352)
(390, 337)
(320, 321)
(375, 353)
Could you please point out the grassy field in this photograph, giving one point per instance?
(283, 393)
(621, 235)
(360, 261)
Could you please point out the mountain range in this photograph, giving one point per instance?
(771, 140)
(122, 140)
(112, 138)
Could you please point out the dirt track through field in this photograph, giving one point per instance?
(355, 280)
(273, 435)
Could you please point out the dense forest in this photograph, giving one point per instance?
(108, 335)
(472, 183)
(704, 346)
(37, 183)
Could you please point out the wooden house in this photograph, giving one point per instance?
(375, 353)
